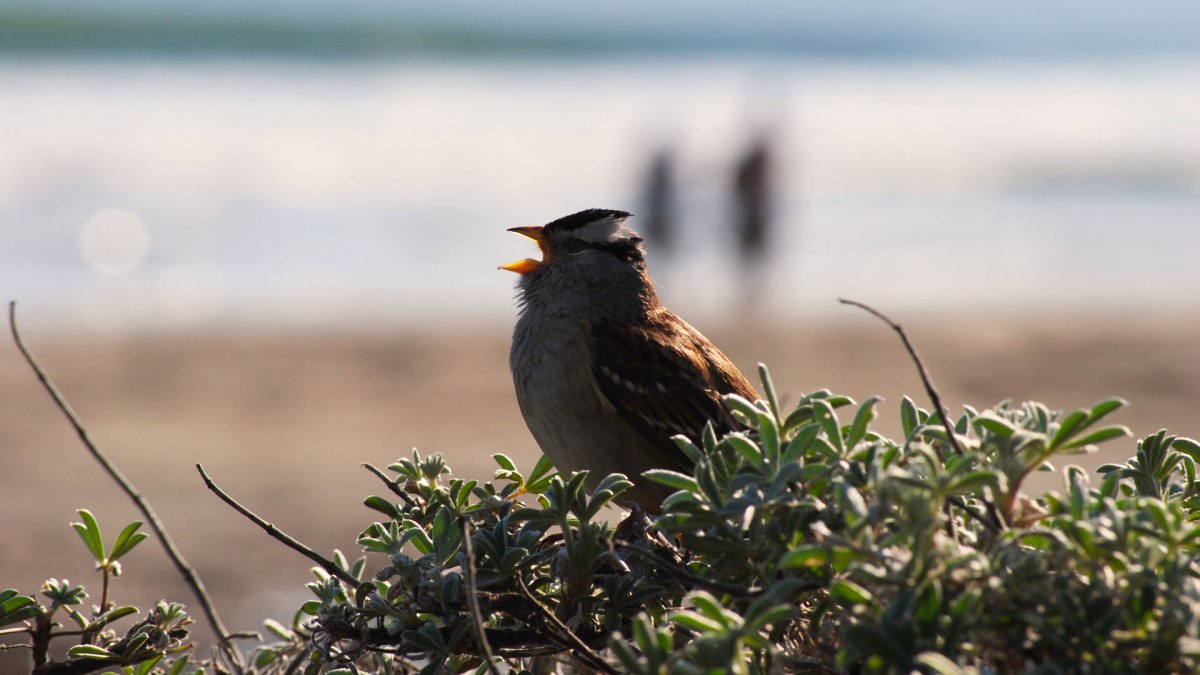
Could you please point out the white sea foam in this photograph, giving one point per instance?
(322, 192)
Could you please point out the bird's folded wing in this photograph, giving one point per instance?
(664, 379)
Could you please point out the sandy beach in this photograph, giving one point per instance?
(284, 421)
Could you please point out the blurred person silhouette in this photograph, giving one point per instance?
(658, 201)
(752, 212)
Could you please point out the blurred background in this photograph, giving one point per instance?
(264, 236)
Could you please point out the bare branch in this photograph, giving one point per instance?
(587, 654)
(516, 642)
(295, 664)
(473, 595)
(77, 666)
(995, 524)
(391, 484)
(684, 574)
(278, 534)
(190, 577)
(936, 399)
(912, 352)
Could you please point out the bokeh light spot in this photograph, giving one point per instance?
(114, 241)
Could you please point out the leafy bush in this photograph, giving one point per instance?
(139, 649)
(805, 543)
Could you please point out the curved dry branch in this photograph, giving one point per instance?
(278, 534)
(473, 596)
(934, 397)
(190, 577)
(583, 651)
(912, 352)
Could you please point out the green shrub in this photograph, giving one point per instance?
(806, 543)
(137, 650)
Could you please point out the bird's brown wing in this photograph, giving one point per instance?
(664, 378)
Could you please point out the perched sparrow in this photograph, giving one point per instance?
(604, 374)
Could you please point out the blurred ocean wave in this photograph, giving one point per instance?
(334, 193)
(372, 29)
(54, 32)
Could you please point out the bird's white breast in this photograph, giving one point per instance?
(569, 418)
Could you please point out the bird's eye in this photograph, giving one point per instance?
(573, 246)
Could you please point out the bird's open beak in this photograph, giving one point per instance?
(528, 265)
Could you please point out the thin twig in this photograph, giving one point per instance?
(951, 528)
(297, 662)
(801, 664)
(519, 642)
(932, 392)
(681, 572)
(190, 577)
(278, 534)
(957, 501)
(912, 352)
(399, 657)
(592, 659)
(473, 595)
(391, 484)
(104, 574)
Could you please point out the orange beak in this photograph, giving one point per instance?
(528, 265)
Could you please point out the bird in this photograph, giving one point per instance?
(604, 374)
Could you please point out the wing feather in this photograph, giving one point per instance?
(664, 378)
